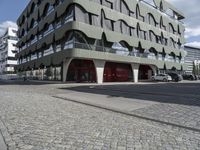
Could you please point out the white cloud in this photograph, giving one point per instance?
(4, 25)
(191, 10)
(194, 44)
(192, 32)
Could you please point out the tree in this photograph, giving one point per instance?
(49, 72)
(199, 69)
(55, 74)
(194, 69)
(31, 73)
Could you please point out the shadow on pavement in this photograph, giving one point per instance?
(175, 93)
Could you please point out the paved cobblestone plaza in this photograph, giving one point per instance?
(31, 119)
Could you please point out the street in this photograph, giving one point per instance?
(32, 118)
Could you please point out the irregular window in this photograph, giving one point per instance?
(120, 48)
(95, 20)
(171, 28)
(107, 4)
(152, 20)
(125, 28)
(124, 8)
(69, 14)
(81, 15)
(149, 2)
(106, 23)
(32, 8)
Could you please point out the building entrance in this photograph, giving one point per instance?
(145, 72)
(117, 72)
(81, 71)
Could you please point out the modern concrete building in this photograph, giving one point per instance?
(8, 50)
(100, 40)
(192, 58)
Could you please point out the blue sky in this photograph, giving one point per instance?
(11, 9)
(9, 12)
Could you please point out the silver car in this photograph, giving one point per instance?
(162, 77)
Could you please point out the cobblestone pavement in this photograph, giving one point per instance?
(179, 103)
(187, 116)
(31, 119)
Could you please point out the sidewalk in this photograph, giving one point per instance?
(133, 106)
(104, 101)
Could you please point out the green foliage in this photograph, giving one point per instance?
(196, 69)
(49, 72)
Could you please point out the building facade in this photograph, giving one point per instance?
(192, 59)
(100, 40)
(8, 51)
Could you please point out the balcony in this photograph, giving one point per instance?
(48, 51)
(50, 10)
(49, 30)
(34, 56)
(123, 51)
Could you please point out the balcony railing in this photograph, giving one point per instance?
(33, 57)
(118, 51)
(33, 41)
(51, 29)
(123, 52)
(51, 9)
(69, 18)
(48, 51)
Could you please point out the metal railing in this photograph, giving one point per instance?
(123, 52)
(73, 44)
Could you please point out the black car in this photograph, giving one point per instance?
(188, 77)
(176, 77)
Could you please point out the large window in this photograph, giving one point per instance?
(48, 29)
(33, 23)
(48, 9)
(81, 15)
(32, 8)
(149, 2)
(75, 39)
(152, 20)
(48, 50)
(120, 49)
(171, 28)
(69, 14)
(124, 8)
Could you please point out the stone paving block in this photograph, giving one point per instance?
(37, 121)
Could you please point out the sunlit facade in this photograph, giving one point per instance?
(8, 50)
(192, 59)
(100, 40)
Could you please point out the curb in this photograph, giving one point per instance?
(9, 143)
(2, 142)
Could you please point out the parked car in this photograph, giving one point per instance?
(162, 77)
(188, 77)
(175, 77)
